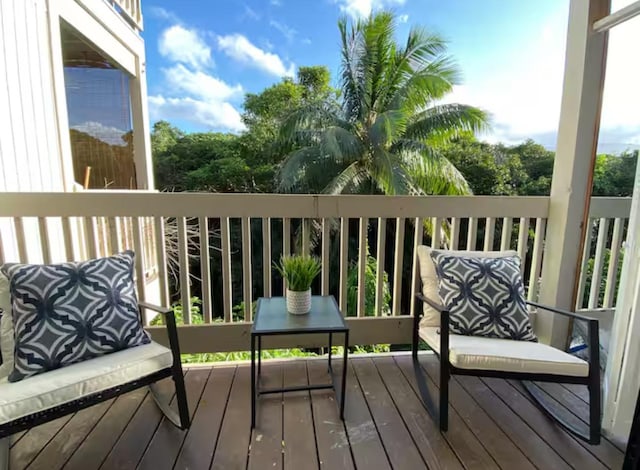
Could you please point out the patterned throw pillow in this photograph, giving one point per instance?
(484, 296)
(70, 312)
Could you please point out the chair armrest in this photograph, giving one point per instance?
(559, 311)
(155, 308)
(431, 303)
(172, 330)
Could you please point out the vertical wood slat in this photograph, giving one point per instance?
(113, 224)
(523, 239)
(225, 256)
(612, 270)
(266, 257)
(326, 239)
(586, 251)
(382, 236)
(161, 255)
(455, 233)
(415, 278)
(20, 240)
(436, 238)
(90, 237)
(344, 260)
(507, 228)
(306, 236)
(183, 261)
(472, 234)
(68, 239)
(205, 269)
(247, 283)
(397, 267)
(598, 265)
(362, 266)
(536, 259)
(140, 261)
(286, 245)
(45, 243)
(489, 230)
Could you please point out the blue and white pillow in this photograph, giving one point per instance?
(484, 296)
(70, 312)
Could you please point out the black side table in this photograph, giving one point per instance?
(272, 318)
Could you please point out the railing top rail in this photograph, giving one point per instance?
(610, 207)
(144, 204)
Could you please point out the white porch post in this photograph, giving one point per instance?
(573, 168)
(141, 127)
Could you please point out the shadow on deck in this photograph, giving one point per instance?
(493, 424)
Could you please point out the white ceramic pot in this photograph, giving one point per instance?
(298, 302)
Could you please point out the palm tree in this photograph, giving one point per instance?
(382, 135)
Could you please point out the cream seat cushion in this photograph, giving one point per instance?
(6, 328)
(479, 353)
(429, 277)
(69, 383)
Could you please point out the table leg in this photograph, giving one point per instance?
(253, 381)
(330, 347)
(344, 374)
(259, 358)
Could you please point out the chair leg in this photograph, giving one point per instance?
(180, 419)
(594, 413)
(444, 396)
(4, 453)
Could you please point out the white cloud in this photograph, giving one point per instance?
(251, 13)
(163, 14)
(403, 18)
(219, 116)
(288, 32)
(276, 3)
(200, 84)
(107, 134)
(363, 8)
(241, 49)
(306, 41)
(180, 44)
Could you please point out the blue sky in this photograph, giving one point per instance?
(202, 56)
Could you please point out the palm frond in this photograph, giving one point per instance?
(443, 122)
(349, 180)
(432, 172)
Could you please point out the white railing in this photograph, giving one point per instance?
(131, 10)
(220, 244)
(602, 254)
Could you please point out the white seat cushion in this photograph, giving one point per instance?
(6, 328)
(475, 352)
(69, 383)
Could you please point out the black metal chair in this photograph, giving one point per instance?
(164, 368)
(459, 359)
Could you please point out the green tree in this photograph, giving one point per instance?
(383, 133)
(614, 175)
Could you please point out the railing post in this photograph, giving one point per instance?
(573, 167)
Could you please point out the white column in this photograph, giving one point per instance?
(622, 377)
(575, 156)
(141, 127)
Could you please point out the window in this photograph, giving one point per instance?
(99, 112)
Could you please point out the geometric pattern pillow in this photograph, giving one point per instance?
(484, 296)
(70, 312)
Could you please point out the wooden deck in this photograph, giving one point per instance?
(493, 424)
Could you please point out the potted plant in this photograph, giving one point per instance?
(299, 272)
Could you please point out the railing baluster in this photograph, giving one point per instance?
(397, 267)
(472, 234)
(344, 260)
(436, 236)
(225, 256)
(45, 244)
(247, 283)
(586, 252)
(140, 258)
(362, 266)
(507, 228)
(326, 239)
(286, 245)
(306, 236)
(536, 259)
(205, 270)
(183, 260)
(455, 233)
(415, 278)
(68, 239)
(382, 236)
(161, 255)
(489, 229)
(612, 270)
(20, 239)
(266, 257)
(114, 240)
(598, 265)
(523, 238)
(90, 237)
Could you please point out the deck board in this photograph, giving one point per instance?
(493, 423)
